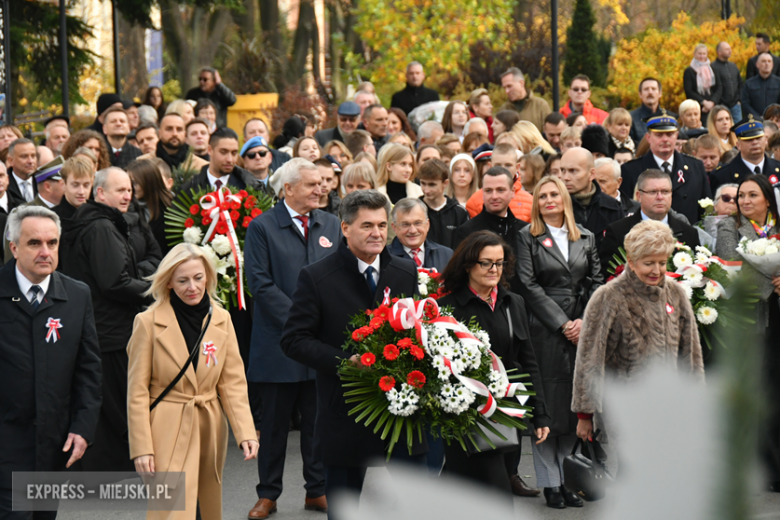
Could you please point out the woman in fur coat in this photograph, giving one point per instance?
(638, 318)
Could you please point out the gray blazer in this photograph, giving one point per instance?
(729, 236)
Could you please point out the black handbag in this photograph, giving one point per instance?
(586, 473)
(193, 353)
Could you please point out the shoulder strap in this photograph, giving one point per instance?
(193, 353)
(509, 319)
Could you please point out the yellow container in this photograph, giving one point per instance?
(249, 106)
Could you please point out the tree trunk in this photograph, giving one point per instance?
(302, 41)
(247, 20)
(132, 52)
(269, 23)
(335, 38)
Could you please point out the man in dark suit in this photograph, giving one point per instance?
(279, 243)
(751, 159)
(411, 225)
(329, 293)
(22, 161)
(116, 127)
(762, 45)
(689, 180)
(348, 117)
(415, 94)
(762, 90)
(50, 374)
(650, 94)
(222, 170)
(655, 200)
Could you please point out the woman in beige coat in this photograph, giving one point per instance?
(187, 431)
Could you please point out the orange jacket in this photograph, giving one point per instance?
(591, 113)
(520, 205)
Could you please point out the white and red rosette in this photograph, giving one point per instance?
(210, 351)
(54, 334)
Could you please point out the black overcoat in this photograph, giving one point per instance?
(49, 388)
(735, 170)
(329, 293)
(556, 291)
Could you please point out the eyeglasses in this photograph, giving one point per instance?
(407, 225)
(655, 193)
(727, 198)
(252, 155)
(487, 265)
(203, 80)
(579, 89)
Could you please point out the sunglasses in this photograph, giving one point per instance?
(728, 198)
(252, 155)
(578, 89)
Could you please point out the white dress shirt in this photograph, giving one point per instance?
(665, 220)
(296, 221)
(362, 266)
(4, 201)
(421, 253)
(752, 167)
(561, 237)
(48, 204)
(213, 180)
(660, 162)
(25, 284)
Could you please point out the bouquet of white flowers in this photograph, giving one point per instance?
(762, 253)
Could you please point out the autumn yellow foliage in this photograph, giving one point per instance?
(666, 54)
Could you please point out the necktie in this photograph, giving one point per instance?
(35, 290)
(116, 154)
(28, 196)
(305, 221)
(757, 170)
(416, 256)
(369, 272)
(666, 166)
(218, 184)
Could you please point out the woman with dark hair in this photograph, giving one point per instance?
(756, 217)
(154, 98)
(456, 115)
(146, 249)
(476, 281)
(88, 139)
(558, 270)
(292, 130)
(577, 119)
(153, 198)
(772, 113)
(398, 122)
(206, 109)
(307, 148)
(503, 122)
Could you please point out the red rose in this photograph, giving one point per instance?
(416, 379)
(619, 269)
(368, 359)
(194, 209)
(206, 221)
(256, 212)
(417, 352)
(246, 222)
(234, 215)
(387, 383)
(610, 278)
(189, 223)
(391, 352)
(405, 343)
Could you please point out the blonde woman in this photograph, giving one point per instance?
(338, 151)
(358, 176)
(464, 181)
(618, 124)
(187, 428)
(395, 173)
(719, 126)
(183, 108)
(532, 168)
(558, 270)
(531, 137)
(690, 115)
(402, 138)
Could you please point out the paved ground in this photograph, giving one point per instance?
(240, 478)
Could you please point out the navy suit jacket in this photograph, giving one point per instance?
(735, 170)
(275, 252)
(436, 255)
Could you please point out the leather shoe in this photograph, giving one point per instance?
(570, 497)
(554, 498)
(522, 489)
(263, 509)
(316, 504)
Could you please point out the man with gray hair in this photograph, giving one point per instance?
(411, 226)
(375, 122)
(415, 94)
(608, 176)
(97, 252)
(279, 244)
(475, 124)
(365, 99)
(330, 292)
(430, 132)
(50, 373)
(522, 100)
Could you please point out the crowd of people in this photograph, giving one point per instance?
(521, 210)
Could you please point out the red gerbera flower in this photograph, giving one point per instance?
(234, 204)
(416, 379)
(391, 352)
(387, 383)
(225, 206)
(246, 222)
(243, 194)
(368, 359)
(375, 323)
(417, 352)
(234, 215)
(405, 343)
(361, 333)
(383, 312)
(205, 213)
(222, 228)
(256, 212)
(206, 221)
(189, 223)
(194, 209)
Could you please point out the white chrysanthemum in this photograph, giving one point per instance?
(209, 253)
(771, 249)
(706, 315)
(688, 290)
(423, 278)
(221, 245)
(693, 277)
(758, 246)
(711, 291)
(706, 202)
(192, 235)
(422, 289)
(681, 260)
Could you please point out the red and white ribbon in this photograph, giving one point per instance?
(386, 299)
(53, 334)
(212, 202)
(680, 176)
(408, 314)
(210, 351)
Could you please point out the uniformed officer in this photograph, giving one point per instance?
(689, 180)
(751, 159)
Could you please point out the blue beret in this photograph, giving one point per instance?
(256, 141)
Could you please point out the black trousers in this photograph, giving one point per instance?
(279, 399)
(340, 478)
(6, 503)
